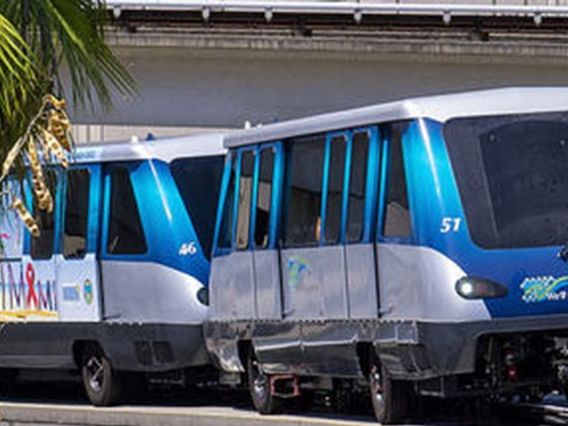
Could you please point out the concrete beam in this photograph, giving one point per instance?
(418, 46)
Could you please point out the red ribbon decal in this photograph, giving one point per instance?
(30, 279)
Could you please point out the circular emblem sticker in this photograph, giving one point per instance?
(88, 291)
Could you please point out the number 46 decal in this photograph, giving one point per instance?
(450, 224)
(188, 249)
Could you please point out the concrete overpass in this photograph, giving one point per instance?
(211, 64)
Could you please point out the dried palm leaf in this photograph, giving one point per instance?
(59, 126)
(26, 217)
(52, 145)
(10, 160)
(43, 196)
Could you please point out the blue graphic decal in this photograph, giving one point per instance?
(543, 289)
(297, 268)
(71, 293)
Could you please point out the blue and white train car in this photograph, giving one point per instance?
(419, 246)
(117, 280)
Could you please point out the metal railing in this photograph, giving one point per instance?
(537, 9)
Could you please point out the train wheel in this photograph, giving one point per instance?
(260, 389)
(102, 384)
(391, 399)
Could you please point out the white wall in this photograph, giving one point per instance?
(189, 87)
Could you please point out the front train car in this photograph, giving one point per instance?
(488, 279)
(417, 247)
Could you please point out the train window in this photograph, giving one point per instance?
(125, 232)
(226, 230)
(335, 189)
(303, 221)
(76, 214)
(397, 216)
(357, 182)
(245, 198)
(42, 246)
(512, 176)
(263, 198)
(198, 180)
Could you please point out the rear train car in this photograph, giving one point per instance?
(411, 248)
(116, 284)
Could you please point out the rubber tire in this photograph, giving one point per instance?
(261, 396)
(7, 380)
(398, 397)
(111, 387)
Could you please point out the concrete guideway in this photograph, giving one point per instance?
(19, 414)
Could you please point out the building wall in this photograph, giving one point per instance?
(188, 87)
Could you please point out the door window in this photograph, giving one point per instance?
(264, 197)
(334, 201)
(245, 198)
(42, 246)
(125, 232)
(397, 214)
(76, 214)
(357, 184)
(304, 191)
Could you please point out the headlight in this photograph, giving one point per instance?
(203, 296)
(480, 288)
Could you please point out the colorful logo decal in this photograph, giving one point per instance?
(88, 291)
(71, 293)
(297, 268)
(544, 289)
(23, 294)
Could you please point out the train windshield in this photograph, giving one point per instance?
(512, 173)
(199, 180)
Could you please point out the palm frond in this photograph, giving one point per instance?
(18, 75)
(69, 34)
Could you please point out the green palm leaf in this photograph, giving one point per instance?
(17, 72)
(69, 34)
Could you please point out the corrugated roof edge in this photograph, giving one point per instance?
(508, 100)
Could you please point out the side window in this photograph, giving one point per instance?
(264, 197)
(76, 214)
(125, 232)
(226, 229)
(303, 221)
(42, 246)
(357, 185)
(245, 198)
(198, 180)
(335, 189)
(396, 215)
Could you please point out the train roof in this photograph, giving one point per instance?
(165, 149)
(513, 100)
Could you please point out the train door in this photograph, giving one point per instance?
(313, 260)
(12, 233)
(77, 263)
(264, 230)
(394, 228)
(128, 286)
(35, 298)
(362, 176)
(242, 259)
(246, 255)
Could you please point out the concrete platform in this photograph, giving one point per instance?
(48, 414)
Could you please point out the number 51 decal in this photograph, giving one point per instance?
(450, 224)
